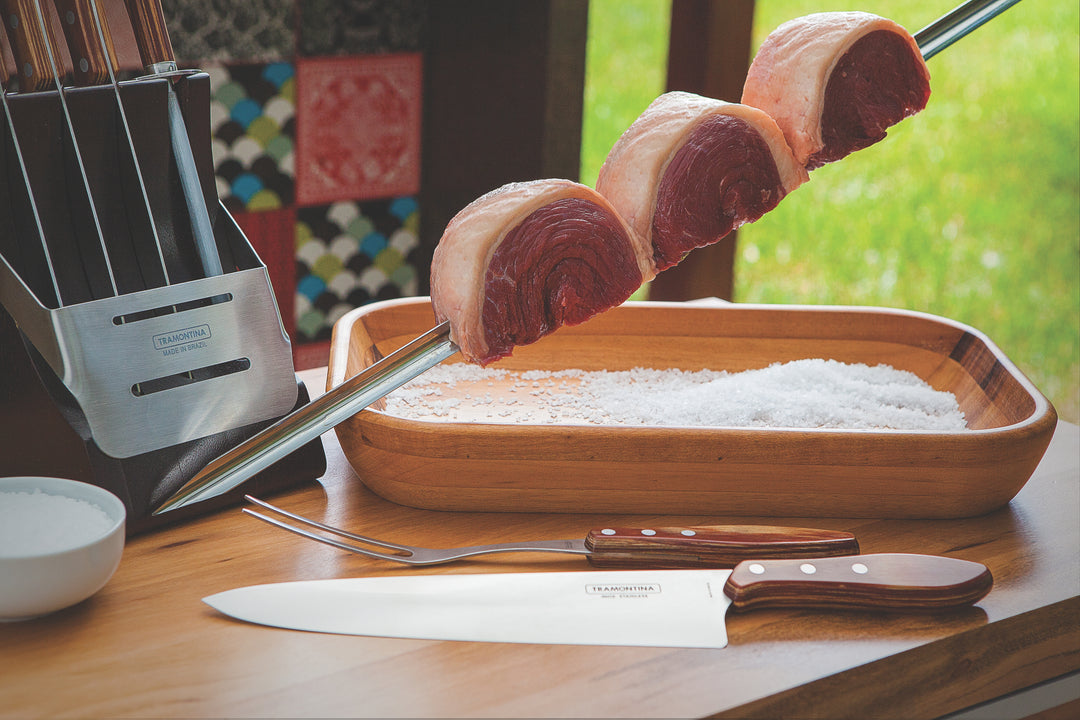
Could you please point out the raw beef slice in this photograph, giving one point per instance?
(691, 169)
(835, 81)
(527, 258)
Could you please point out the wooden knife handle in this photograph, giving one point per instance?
(715, 546)
(88, 55)
(151, 33)
(873, 582)
(28, 46)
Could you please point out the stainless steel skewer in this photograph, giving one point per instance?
(946, 30)
(315, 418)
(377, 381)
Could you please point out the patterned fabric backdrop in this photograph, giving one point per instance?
(315, 119)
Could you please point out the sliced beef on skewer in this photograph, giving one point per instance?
(523, 260)
(835, 81)
(691, 169)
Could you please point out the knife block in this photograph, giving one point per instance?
(120, 364)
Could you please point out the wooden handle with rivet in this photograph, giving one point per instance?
(889, 581)
(90, 58)
(28, 45)
(715, 546)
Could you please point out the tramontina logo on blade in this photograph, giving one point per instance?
(637, 589)
(180, 340)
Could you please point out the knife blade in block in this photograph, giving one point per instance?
(156, 51)
(650, 608)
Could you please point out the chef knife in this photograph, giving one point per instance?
(651, 608)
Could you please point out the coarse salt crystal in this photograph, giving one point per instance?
(810, 393)
(39, 523)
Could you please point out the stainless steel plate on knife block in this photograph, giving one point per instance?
(112, 319)
(134, 362)
(548, 467)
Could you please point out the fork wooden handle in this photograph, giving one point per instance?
(716, 546)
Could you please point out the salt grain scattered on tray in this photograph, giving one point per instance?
(812, 393)
(38, 523)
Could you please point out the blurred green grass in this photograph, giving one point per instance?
(969, 210)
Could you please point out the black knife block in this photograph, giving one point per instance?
(43, 431)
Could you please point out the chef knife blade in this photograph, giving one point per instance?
(650, 608)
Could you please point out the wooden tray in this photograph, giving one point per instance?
(722, 471)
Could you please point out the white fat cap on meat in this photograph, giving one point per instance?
(459, 265)
(793, 65)
(632, 171)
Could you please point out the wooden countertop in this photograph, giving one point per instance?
(146, 646)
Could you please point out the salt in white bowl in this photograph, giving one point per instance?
(60, 542)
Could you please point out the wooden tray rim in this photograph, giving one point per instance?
(1042, 415)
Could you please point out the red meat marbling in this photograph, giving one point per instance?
(834, 82)
(700, 199)
(690, 169)
(528, 258)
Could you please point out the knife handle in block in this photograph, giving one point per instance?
(28, 47)
(151, 35)
(714, 546)
(889, 581)
(88, 55)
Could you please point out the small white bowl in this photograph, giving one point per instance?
(39, 572)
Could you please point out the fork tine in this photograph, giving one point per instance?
(325, 528)
(325, 540)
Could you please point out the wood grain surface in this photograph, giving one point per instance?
(718, 546)
(30, 47)
(151, 32)
(907, 582)
(145, 646)
(90, 58)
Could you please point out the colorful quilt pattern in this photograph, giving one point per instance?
(252, 122)
(349, 254)
(316, 143)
